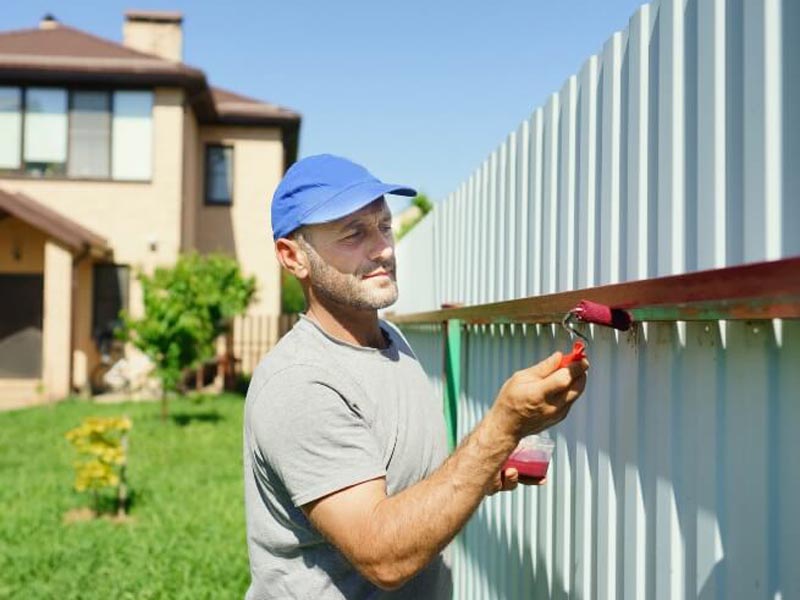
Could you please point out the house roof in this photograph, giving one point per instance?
(50, 54)
(232, 106)
(64, 55)
(73, 235)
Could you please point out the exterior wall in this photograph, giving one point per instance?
(128, 214)
(56, 341)
(150, 223)
(244, 229)
(17, 237)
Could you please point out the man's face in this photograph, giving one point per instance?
(351, 261)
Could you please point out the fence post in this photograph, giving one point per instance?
(452, 375)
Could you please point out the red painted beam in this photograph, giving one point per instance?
(764, 290)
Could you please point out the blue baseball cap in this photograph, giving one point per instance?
(323, 188)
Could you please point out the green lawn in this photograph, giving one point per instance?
(186, 538)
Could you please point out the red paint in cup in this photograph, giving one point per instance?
(531, 458)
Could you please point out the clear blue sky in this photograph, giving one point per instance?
(418, 91)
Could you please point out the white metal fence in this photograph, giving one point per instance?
(676, 149)
(675, 475)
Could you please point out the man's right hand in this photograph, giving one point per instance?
(533, 399)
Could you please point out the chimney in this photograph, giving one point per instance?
(48, 22)
(154, 32)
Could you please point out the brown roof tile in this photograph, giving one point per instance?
(67, 50)
(229, 103)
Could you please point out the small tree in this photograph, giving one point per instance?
(425, 206)
(292, 298)
(186, 307)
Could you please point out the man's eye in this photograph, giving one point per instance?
(353, 236)
(386, 228)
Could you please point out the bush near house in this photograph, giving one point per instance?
(186, 308)
(184, 537)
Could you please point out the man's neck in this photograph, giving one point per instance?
(357, 327)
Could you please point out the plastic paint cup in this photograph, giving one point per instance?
(531, 458)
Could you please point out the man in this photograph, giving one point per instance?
(349, 492)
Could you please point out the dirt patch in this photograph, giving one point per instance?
(83, 515)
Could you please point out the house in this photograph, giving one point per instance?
(117, 157)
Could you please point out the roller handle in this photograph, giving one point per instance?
(576, 355)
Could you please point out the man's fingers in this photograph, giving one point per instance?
(563, 378)
(510, 479)
(532, 480)
(547, 366)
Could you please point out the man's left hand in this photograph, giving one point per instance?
(509, 479)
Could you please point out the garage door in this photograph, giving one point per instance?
(21, 303)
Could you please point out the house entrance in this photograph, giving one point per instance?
(21, 316)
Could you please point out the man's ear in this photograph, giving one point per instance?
(292, 257)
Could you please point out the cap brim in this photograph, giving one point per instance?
(354, 199)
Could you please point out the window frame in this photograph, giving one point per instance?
(20, 172)
(207, 174)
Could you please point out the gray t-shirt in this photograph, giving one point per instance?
(322, 415)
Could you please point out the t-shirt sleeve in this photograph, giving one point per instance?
(313, 437)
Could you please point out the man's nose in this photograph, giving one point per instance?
(382, 247)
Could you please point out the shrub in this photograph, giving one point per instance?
(102, 444)
(186, 307)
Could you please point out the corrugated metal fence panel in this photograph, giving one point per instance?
(677, 148)
(416, 267)
(672, 150)
(673, 476)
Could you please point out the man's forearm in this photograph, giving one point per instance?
(413, 526)
(390, 539)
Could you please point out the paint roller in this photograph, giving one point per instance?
(591, 312)
(531, 458)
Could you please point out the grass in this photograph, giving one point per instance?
(186, 536)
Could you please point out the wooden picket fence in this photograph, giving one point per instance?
(254, 335)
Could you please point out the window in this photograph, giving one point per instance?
(111, 284)
(90, 134)
(10, 127)
(97, 134)
(45, 150)
(132, 136)
(219, 174)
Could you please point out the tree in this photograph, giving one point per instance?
(292, 298)
(186, 308)
(424, 205)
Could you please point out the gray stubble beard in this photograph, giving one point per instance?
(345, 288)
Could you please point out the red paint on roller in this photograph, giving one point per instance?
(593, 312)
(576, 355)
